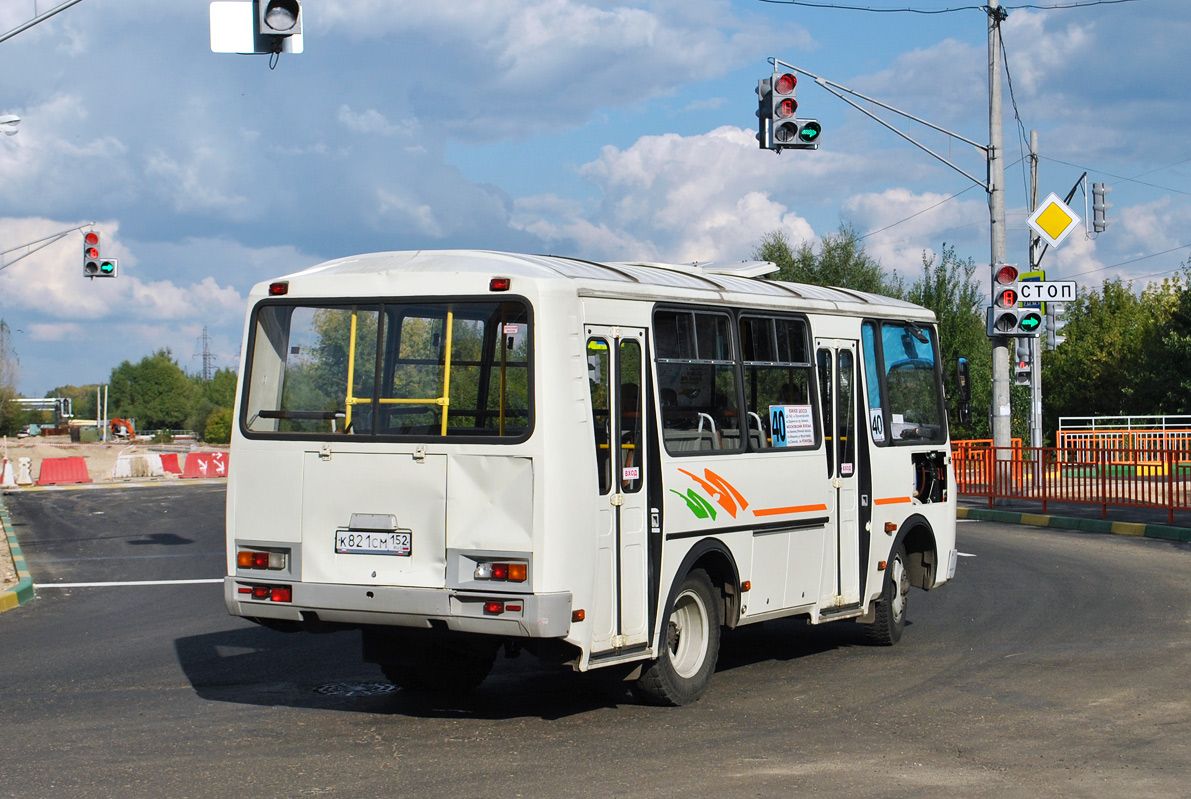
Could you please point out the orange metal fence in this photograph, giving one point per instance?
(1117, 476)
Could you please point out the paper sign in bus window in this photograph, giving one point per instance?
(791, 426)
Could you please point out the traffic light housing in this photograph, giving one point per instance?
(765, 113)
(1022, 362)
(1014, 322)
(783, 108)
(1055, 311)
(279, 17)
(779, 127)
(94, 265)
(1100, 207)
(1005, 317)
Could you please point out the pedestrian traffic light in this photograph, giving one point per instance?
(279, 17)
(1100, 207)
(1022, 362)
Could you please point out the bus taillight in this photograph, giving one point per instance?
(257, 559)
(505, 572)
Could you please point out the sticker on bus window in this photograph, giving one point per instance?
(791, 426)
(876, 423)
(631, 473)
(845, 470)
(512, 330)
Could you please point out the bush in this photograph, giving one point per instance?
(219, 426)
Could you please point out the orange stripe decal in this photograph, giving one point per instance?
(891, 501)
(795, 509)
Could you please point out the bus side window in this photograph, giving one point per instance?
(598, 381)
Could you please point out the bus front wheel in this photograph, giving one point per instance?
(690, 645)
(886, 629)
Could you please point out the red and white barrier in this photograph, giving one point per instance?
(205, 464)
(61, 471)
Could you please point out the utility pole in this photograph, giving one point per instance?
(1000, 411)
(1035, 343)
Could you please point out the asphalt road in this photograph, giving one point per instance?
(1056, 664)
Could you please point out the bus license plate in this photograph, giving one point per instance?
(357, 542)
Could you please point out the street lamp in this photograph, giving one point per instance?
(8, 123)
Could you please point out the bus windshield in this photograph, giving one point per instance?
(389, 369)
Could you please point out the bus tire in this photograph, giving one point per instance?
(690, 645)
(890, 613)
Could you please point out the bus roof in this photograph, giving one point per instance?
(730, 283)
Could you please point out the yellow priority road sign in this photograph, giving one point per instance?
(1053, 220)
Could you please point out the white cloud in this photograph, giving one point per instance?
(56, 331)
(708, 197)
(372, 121)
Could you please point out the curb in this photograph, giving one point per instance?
(23, 591)
(1160, 531)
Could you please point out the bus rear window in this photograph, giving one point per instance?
(406, 369)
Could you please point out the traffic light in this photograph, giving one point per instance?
(93, 264)
(1005, 318)
(1022, 362)
(764, 113)
(1100, 207)
(783, 108)
(279, 17)
(1054, 323)
(1005, 291)
(808, 134)
(1014, 322)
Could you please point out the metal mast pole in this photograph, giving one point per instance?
(1036, 347)
(1001, 426)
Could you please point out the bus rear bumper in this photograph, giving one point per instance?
(519, 615)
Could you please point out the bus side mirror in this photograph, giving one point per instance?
(963, 380)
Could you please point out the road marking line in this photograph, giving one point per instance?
(965, 554)
(122, 584)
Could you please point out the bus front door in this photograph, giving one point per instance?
(616, 377)
(835, 360)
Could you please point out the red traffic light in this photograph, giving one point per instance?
(1006, 298)
(786, 108)
(1005, 274)
(785, 83)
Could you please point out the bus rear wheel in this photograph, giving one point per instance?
(886, 629)
(690, 646)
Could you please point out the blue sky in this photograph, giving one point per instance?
(606, 130)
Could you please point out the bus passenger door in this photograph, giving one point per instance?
(616, 377)
(835, 361)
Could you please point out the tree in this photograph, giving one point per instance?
(841, 262)
(1165, 381)
(948, 288)
(11, 415)
(155, 392)
(1095, 372)
(83, 400)
(218, 429)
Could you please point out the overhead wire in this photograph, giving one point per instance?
(950, 10)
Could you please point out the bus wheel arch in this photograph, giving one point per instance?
(922, 555)
(712, 557)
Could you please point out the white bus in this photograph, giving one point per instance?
(603, 464)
